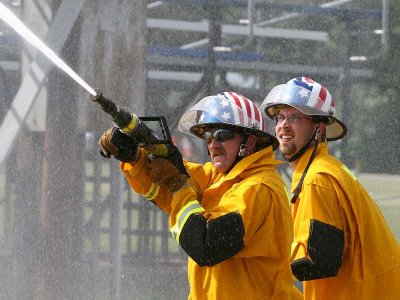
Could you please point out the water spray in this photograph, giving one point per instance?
(127, 122)
(7, 16)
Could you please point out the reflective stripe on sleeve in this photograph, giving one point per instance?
(192, 207)
(152, 192)
(349, 172)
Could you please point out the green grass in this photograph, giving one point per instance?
(381, 186)
(385, 189)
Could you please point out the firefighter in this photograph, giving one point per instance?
(230, 215)
(343, 247)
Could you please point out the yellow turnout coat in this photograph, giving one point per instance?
(252, 190)
(332, 197)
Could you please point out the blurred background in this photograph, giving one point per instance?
(70, 227)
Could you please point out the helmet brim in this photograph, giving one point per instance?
(290, 95)
(335, 130)
(209, 113)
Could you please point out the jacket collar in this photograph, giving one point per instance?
(264, 159)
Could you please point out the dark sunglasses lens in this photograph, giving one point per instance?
(221, 135)
(224, 135)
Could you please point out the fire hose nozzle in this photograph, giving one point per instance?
(131, 125)
(122, 117)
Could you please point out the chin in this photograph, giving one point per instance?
(220, 168)
(286, 151)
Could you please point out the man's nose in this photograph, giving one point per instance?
(214, 143)
(284, 122)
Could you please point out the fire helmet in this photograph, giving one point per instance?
(227, 110)
(309, 97)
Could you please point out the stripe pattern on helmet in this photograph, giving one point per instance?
(244, 111)
(319, 98)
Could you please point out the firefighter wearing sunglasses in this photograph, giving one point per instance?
(230, 215)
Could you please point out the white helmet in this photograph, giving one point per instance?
(226, 110)
(310, 98)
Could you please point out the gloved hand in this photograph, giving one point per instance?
(170, 170)
(162, 171)
(175, 157)
(115, 143)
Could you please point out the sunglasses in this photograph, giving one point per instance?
(220, 135)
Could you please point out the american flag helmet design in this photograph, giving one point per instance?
(227, 109)
(310, 98)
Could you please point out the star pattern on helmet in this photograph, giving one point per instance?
(226, 116)
(304, 93)
(214, 112)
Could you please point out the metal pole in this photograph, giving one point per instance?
(385, 25)
(116, 233)
(344, 80)
(215, 40)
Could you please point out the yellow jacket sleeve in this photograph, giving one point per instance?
(138, 178)
(317, 201)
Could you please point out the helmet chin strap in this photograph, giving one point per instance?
(298, 187)
(241, 153)
(299, 153)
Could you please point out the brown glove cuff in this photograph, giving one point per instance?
(107, 149)
(176, 182)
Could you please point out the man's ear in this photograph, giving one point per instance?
(322, 131)
(251, 142)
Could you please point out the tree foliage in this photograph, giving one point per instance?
(380, 115)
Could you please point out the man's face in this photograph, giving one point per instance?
(224, 153)
(293, 130)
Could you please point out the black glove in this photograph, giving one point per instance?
(115, 143)
(175, 157)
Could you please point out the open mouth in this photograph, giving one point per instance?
(285, 137)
